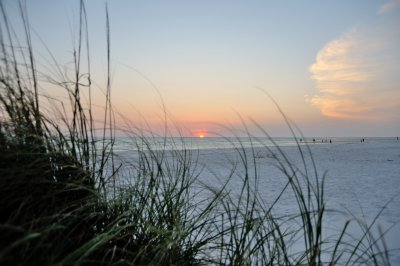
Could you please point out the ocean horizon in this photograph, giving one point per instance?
(123, 143)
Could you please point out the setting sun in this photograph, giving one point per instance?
(200, 133)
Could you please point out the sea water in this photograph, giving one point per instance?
(207, 143)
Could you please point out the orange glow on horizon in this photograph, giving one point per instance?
(200, 133)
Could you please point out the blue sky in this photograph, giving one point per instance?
(331, 65)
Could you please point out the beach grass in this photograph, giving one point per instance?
(66, 198)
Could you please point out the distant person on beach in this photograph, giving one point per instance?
(330, 141)
(314, 140)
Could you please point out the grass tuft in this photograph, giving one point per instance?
(68, 199)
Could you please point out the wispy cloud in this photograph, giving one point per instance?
(355, 74)
(389, 6)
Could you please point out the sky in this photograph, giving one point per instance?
(331, 66)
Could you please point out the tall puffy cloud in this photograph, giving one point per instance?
(356, 74)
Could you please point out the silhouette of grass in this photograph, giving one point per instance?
(64, 200)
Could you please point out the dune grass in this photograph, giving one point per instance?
(63, 202)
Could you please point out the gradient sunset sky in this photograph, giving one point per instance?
(332, 66)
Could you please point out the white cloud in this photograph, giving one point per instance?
(389, 6)
(356, 77)
(340, 60)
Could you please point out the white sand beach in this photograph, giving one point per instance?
(362, 178)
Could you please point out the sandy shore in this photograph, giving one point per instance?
(361, 179)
